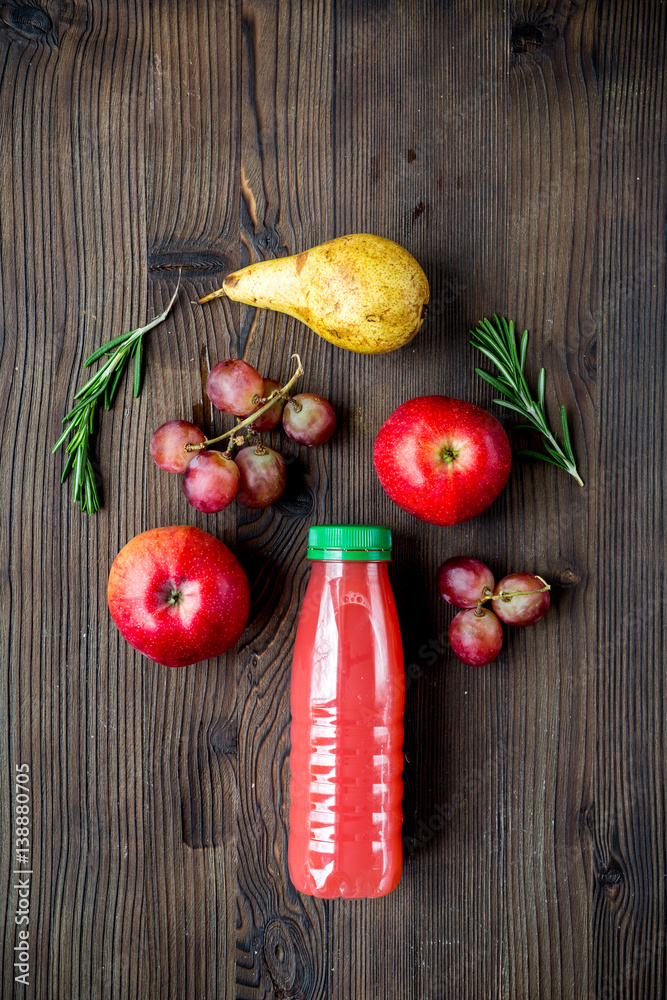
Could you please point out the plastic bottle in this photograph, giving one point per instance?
(347, 697)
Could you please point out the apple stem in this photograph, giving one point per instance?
(506, 595)
(282, 392)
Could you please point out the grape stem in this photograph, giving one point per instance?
(506, 595)
(276, 394)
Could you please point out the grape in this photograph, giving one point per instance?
(234, 387)
(168, 445)
(263, 476)
(308, 419)
(211, 481)
(476, 637)
(271, 417)
(524, 609)
(463, 581)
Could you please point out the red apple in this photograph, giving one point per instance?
(178, 595)
(441, 459)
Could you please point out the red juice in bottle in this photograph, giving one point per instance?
(347, 699)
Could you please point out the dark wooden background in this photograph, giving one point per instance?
(519, 150)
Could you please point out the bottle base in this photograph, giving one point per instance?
(342, 885)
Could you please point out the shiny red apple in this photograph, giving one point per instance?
(442, 459)
(178, 595)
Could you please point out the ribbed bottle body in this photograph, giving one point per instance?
(347, 699)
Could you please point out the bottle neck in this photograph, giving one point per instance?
(333, 569)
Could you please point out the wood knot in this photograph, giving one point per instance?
(418, 210)
(29, 22)
(268, 241)
(298, 503)
(279, 955)
(567, 578)
(610, 878)
(591, 358)
(193, 263)
(531, 36)
(224, 738)
(296, 499)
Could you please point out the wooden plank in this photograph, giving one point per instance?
(420, 135)
(286, 159)
(552, 176)
(189, 726)
(72, 107)
(626, 818)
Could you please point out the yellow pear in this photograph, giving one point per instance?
(360, 292)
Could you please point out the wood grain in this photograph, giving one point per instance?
(425, 112)
(628, 822)
(286, 188)
(72, 97)
(189, 725)
(122, 888)
(552, 292)
(519, 151)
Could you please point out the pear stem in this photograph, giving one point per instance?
(212, 295)
(284, 392)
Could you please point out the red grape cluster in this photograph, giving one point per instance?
(475, 633)
(248, 471)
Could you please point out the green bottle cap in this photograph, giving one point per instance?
(350, 542)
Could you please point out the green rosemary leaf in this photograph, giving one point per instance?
(74, 414)
(540, 455)
(91, 496)
(496, 348)
(137, 368)
(511, 343)
(499, 363)
(522, 350)
(486, 332)
(506, 333)
(554, 452)
(540, 389)
(99, 378)
(114, 385)
(496, 383)
(63, 437)
(108, 347)
(67, 468)
(77, 439)
(567, 444)
(78, 471)
(509, 406)
(492, 333)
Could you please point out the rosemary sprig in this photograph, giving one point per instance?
(98, 390)
(497, 341)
